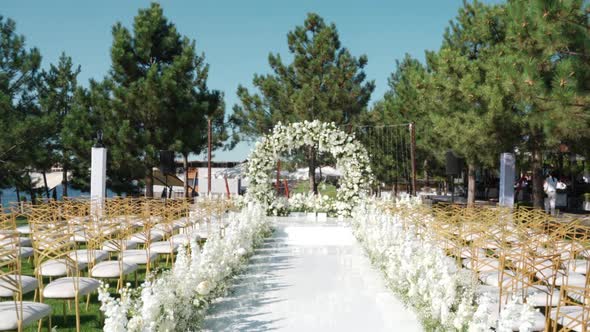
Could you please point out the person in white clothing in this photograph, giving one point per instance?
(550, 186)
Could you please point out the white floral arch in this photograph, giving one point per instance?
(351, 159)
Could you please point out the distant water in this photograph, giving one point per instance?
(9, 195)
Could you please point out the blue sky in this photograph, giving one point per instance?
(237, 36)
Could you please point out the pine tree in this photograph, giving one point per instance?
(471, 112)
(155, 73)
(546, 64)
(323, 82)
(407, 102)
(56, 94)
(79, 132)
(20, 117)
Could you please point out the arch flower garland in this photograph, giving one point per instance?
(352, 160)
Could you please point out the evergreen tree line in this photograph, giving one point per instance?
(154, 97)
(507, 77)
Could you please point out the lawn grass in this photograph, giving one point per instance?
(323, 188)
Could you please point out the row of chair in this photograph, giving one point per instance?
(523, 253)
(74, 245)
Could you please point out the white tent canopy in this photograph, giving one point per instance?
(326, 173)
(236, 172)
(54, 179)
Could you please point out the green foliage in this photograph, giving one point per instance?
(56, 97)
(155, 98)
(324, 82)
(21, 121)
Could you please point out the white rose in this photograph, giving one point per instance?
(204, 287)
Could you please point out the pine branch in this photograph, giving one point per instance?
(10, 149)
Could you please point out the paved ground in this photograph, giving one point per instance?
(310, 277)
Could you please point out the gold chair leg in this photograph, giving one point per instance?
(77, 314)
(87, 301)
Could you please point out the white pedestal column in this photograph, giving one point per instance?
(98, 178)
(507, 172)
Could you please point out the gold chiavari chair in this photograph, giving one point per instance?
(113, 236)
(15, 314)
(573, 311)
(145, 215)
(27, 284)
(52, 240)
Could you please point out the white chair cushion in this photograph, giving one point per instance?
(204, 235)
(164, 247)
(182, 239)
(579, 266)
(492, 278)
(486, 264)
(25, 229)
(112, 269)
(564, 278)
(79, 237)
(25, 252)
(166, 228)
(32, 312)
(143, 238)
(467, 252)
(25, 241)
(58, 267)
(85, 256)
(28, 284)
(538, 296)
(65, 288)
(139, 256)
(113, 245)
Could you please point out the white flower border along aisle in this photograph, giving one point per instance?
(352, 160)
(177, 300)
(419, 272)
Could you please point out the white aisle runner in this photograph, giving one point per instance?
(310, 277)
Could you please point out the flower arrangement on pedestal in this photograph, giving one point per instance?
(352, 161)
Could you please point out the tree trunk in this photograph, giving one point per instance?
(64, 192)
(426, 178)
(32, 192)
(149, 183)
(17, 195)
(45, 184)
(471, 185)
(538, 195)
(311, 162)
(185, 165)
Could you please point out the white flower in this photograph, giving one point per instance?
(241, 252)
(204, 287)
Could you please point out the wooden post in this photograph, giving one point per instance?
(286, 187)
(278, 177)
(413, 156)
(227, 187)
(209, 156)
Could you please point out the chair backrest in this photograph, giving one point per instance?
(577, 298)
(10, 267)
(52, 239)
